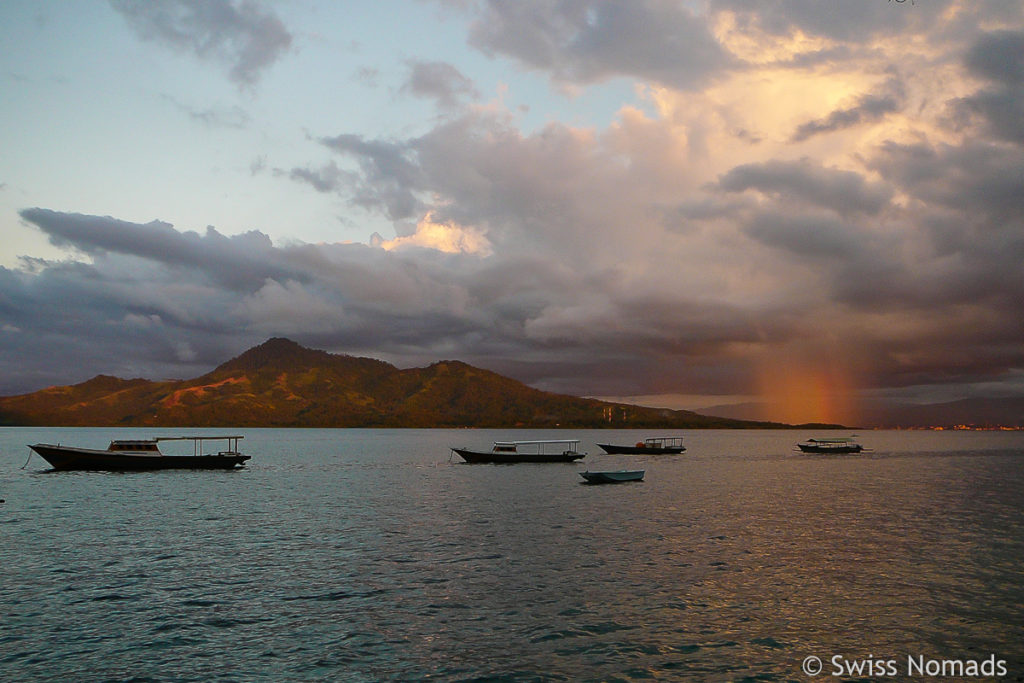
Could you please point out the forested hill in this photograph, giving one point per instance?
(282, 384)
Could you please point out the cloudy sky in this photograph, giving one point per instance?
(673, 203)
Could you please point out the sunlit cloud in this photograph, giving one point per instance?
(443, 236)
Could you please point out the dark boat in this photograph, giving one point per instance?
(845, 445)
(508, 452)
(613, 477)
(665, 445)
(142, 454)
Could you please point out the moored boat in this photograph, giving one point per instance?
(508, 452)
(661, 445)
(613, 477)
(142, 454)
(837, 446)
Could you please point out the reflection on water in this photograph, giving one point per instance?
(368, 555)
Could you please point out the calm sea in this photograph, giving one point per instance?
(367, 555)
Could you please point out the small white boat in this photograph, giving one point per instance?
(613, 477)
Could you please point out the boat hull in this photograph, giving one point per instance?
(616, 477)
(512, 458)
(842, 450)
(612, 449)
(68, 458)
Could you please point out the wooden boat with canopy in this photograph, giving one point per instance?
(508, 452)
(837, 446)
(660, 445)
(143, 454)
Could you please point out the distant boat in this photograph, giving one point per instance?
(615, 477)
(507, 452)
(142, 454)
(661, 445)
(842, 445)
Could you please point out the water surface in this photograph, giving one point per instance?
(365, 555)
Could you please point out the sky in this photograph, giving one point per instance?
(807, 203)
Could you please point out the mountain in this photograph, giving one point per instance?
(282, 384)
(978, 412)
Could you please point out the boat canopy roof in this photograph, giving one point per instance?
(536, 446)
(664, 439)
(836, 440)
(196, 438)
(135, 445)
(534, 443)
(197, 441)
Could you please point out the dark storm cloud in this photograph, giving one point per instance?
(982, 181)
(868, 108)
(156, 302)
(1001, 110)
(440, 81)
(815, 237)
(997, 58)
(936, 276)
(956, 278)
(69, 321)
(235, 261)
(585, 41)
(804, 181)
(961, 245)
(242, 35)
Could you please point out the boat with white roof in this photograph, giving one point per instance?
(143, 454)
(836, 446)
(508, 452)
